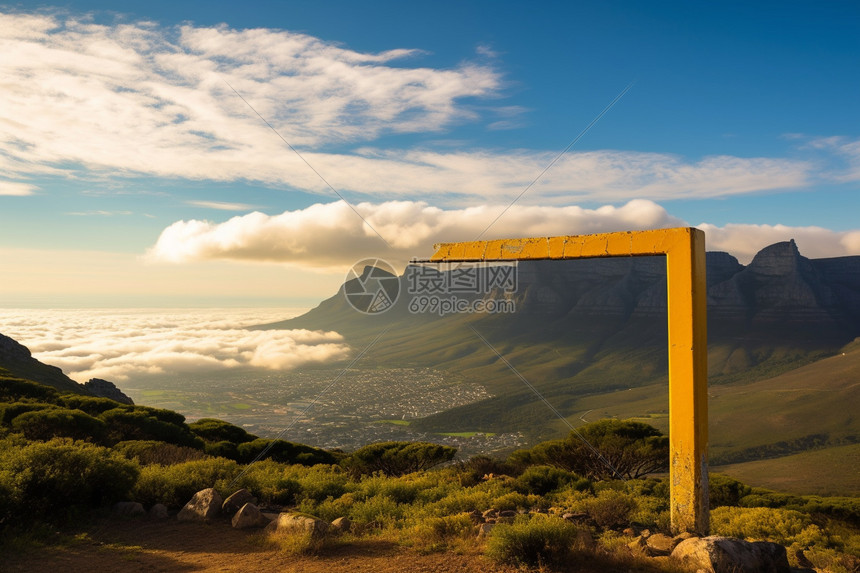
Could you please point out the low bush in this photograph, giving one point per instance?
(147, 452)
(56, 479)
(58, 423)
(174, 485)
(534, 541)
(611, 509)
(396, 458)
(541, 480)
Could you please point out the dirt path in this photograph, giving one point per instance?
(170, 546)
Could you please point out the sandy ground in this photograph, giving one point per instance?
(142, 545)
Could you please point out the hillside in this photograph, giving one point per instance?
(586, 328)
(16, 360)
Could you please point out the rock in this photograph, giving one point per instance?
(628, 532)
(578, 517)
(105, 389)
(726, 555)
(158, 511)
(638, 545)
(341, 525)
(249, 516)
(658, 544)
(235, 501)
(128, 509)
(293, 523)
(484, 529)
(204, 506)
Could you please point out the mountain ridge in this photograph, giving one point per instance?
(593, 326)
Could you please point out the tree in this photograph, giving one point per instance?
(606, 449)
(397, 458)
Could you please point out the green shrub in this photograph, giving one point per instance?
(611, 508)
(541, 480)
(9, 412)
(535, 541)
(439, 533)
(147, 452)
(213, 430)
(476, 468)
(13, 389)
(606, 449)
(396, 458)
(89, 404)
(52, 480)
(267, 481)
(783, 526)
(222, 449)
(58, 423)
(723, 490)
(284, 452)
(141, 423)
(175, 485)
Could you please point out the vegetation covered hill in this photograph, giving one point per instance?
(64, 457)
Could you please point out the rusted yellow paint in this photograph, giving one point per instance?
(684, 249)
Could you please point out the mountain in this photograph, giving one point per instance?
(584, 328)
(17, 361)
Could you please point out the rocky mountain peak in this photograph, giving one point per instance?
(778, 259)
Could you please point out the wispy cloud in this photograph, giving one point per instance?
(17, 189)
(98, 213)
(122, 345)
(222, 206)
(133, 99)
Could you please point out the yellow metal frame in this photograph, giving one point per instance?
(684, 249)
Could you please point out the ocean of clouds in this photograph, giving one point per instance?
(121, 345)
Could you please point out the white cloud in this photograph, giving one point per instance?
(141, 98)
(122, 345)
(221, 206)
(331, 234)
(17, 189)
(744, 241)
(83, 99)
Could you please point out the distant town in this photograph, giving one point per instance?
(328, 408)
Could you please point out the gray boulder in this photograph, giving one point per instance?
(726, 555)
(158, 511)
(341, 525)
(249, 516)
(239, 498)
(204, 506)
(293, 523)
(128, 509)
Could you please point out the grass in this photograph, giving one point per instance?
(830, 472)
(395, 422)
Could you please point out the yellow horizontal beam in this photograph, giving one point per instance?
(684, 249)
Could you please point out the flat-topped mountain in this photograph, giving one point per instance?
(585, 327)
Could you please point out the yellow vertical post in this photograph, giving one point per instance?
(688, 345)
(688, 384)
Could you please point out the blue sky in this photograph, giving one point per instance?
(131, 173)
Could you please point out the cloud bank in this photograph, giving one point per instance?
(331, 235)
(84, 99)
(120, 345)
